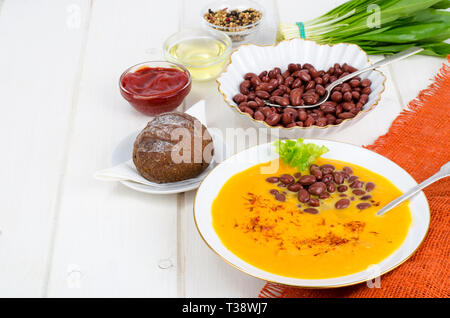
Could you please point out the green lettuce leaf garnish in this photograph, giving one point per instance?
(296, 153)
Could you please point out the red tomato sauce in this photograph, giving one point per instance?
(155, 90)
(154, 81)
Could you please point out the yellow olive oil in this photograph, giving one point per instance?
(204, 57)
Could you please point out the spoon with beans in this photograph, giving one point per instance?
(442, 173)
(386, 61)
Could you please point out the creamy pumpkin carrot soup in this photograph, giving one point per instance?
(319, 223)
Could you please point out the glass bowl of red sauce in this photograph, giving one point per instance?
(155, 87)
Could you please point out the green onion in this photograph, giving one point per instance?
(402, 24)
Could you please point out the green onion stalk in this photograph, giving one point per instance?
(380, 26)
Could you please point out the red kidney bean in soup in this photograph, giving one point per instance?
(321, 184)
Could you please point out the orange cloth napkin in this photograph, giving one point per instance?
(418, 141)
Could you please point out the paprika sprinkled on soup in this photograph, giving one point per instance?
(300, 225)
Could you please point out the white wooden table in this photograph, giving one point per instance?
(64, 234)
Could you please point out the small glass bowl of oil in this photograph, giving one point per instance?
(203, 52)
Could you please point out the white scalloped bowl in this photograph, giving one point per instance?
(253, 58)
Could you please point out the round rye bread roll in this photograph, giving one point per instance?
(172, 147)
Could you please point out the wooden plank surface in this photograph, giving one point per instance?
(38, 81)
(413, 75)
(110, 240)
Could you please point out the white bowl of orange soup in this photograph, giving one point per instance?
(239, 218)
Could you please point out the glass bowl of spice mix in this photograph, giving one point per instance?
(239, 19)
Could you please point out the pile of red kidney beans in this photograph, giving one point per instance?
(320, 184)
(302, 85)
